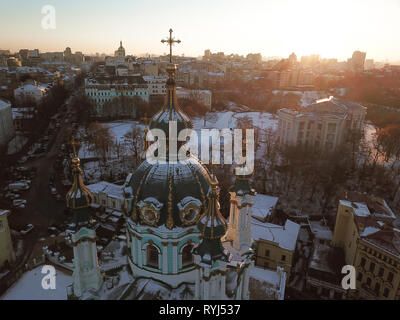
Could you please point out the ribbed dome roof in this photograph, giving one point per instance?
(169, 187)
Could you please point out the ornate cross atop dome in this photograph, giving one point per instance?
(170, 42)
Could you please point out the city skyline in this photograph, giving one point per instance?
(288, 26)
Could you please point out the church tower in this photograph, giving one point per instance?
(120, 55)
(86, 273)
(209, 256)
(239, 225)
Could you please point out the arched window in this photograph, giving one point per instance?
(152, 256)
(187, 256)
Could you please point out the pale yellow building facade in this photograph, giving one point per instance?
(364, 229)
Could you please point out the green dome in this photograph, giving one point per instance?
(170, 193)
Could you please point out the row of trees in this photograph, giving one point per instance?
(309, 180)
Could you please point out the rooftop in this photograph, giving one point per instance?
(366, 205)
(112, 190)
(4, 104)
(263, 206)
(285, 236)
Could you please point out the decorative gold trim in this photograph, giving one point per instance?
(170, 220)
(134, 213)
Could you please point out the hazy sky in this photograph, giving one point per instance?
(332, 28)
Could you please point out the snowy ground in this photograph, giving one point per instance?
(118, 130)
(213, 120)
(29, 287)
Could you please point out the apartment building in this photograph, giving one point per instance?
(323, 124)
(365, 230)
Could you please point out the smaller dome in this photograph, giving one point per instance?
(212, 226)
(79, 196)
(171, 110)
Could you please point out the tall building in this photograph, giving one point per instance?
(7, 255)
(120, 55)
(357, 61)
(365, 230)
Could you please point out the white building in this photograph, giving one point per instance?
(107, 195)
(101, 93)
(31, 92)
(156, 84)
(6, 122)
(323, 124)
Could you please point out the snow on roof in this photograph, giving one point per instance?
(320, 231)
(285, 236)
(263, 206)
(4, 212)
(369, 230)
(4, 104)
(265, 275)
(29, 287)
(112, 190)
(360, 209)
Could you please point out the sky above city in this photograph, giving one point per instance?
(331, 28)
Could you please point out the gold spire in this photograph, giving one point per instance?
(171, 101)
(79, 196)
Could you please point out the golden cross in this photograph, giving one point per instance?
(170, 42)
(74, 144)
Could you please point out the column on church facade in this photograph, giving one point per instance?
(197, 284)
(140, 251)
(165, 257)
(175, 257)
(134, 250)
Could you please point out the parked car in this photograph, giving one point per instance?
(27, 229)
(18, 202)
(17, 186)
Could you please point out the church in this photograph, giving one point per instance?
(176, 236)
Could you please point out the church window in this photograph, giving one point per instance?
(390, 277)
(152, 256)
(283, 258)
(267, 253)
(372, 267)
(386, 292)
(187, 256)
